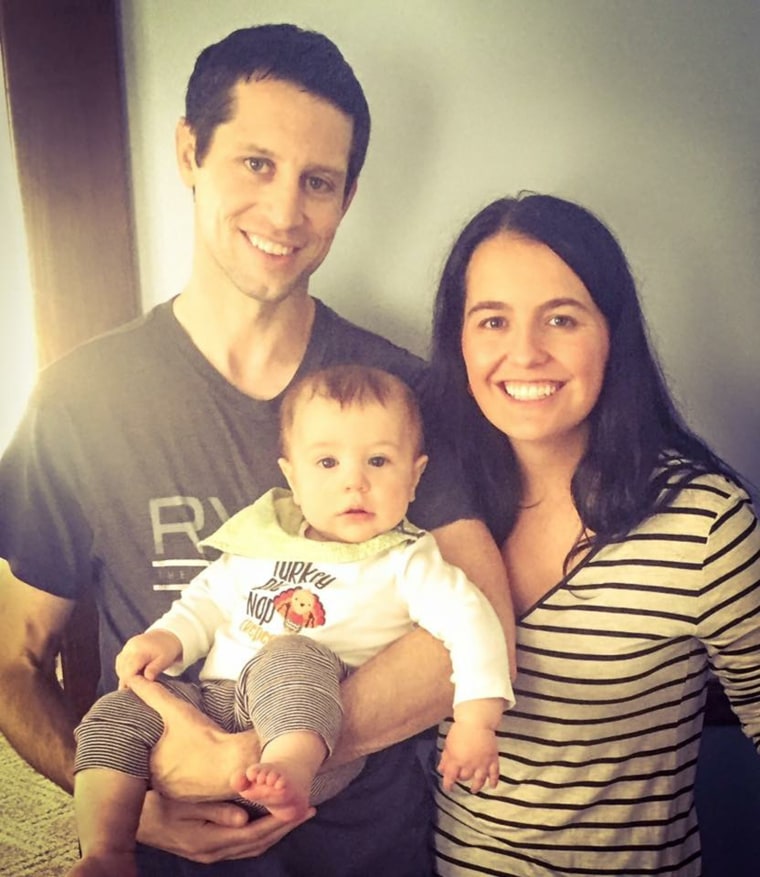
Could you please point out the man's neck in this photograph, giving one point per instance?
(257, 348)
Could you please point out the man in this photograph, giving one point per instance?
(137, 445)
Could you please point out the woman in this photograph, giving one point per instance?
(632, 551)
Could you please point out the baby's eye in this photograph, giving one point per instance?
(327, 463)
(378, 461)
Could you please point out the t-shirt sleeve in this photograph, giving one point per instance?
(443, 495)
(43, 532)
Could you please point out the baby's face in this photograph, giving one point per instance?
(353, 470)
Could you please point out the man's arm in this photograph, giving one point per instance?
(406, 688)
(34, 716)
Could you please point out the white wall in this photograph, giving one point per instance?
(647, 111)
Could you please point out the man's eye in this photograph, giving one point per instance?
(378, 461)
(317, 184)
(257, 165)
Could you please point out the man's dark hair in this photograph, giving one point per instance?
(274, 51)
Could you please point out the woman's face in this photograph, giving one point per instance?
(535, 345)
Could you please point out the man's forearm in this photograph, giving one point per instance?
(400, 692)
(38, 724)
(34, 715)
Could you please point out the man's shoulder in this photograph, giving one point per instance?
(128, 346)
(339, 340)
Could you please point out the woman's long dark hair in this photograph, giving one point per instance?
(634, 422)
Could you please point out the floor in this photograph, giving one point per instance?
(37, 834)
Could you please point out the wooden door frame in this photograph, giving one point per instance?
(64, 80)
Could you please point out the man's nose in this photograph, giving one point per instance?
(284, 202)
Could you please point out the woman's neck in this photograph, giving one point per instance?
(547, 469)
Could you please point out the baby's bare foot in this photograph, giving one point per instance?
(283, 788)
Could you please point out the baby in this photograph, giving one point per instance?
(311, 583)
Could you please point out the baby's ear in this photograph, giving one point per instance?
(287, 470)
(419, 467)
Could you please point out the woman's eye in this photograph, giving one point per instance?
(562, 321)
(493, 323)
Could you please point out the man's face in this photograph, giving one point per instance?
(270, 193)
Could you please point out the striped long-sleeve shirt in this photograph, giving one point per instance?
(598, 757)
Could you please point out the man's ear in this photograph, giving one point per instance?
(287, 470)
(349, 197)
(184, 143)
(419, 467)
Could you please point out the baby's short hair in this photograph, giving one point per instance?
(352, 385)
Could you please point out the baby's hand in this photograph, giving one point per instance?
(470, 753)
(147, 654)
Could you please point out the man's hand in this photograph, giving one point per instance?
(194, 759)
(208, 832)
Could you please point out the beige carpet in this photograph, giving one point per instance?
(37, 834)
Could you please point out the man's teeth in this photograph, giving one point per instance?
(524, 392)
(269, 247)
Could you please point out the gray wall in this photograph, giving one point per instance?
(647, 111)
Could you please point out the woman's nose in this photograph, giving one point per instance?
(525, 346)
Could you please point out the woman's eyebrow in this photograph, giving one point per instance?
(487, 306)
(564, 302)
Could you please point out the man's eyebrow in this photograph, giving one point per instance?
(254, 149)
(327, 169)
